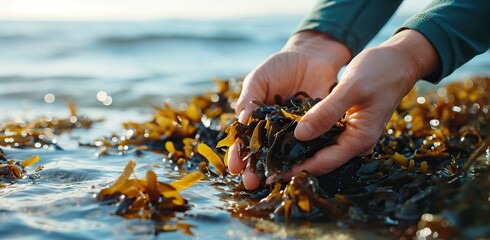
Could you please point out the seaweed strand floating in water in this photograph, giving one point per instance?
(11, 170)
(41, 132)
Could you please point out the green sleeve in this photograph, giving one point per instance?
(458, 30)
(352, 22)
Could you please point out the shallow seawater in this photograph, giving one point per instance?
(133, 62)
(59, 202)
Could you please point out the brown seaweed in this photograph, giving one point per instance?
(41, 132)
(10, 170)
(148, 198)
(177, 132)
(428, 176)
(432, 146)
(268, 137)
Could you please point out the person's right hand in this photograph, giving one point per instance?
(309, 62)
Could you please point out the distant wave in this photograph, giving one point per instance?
(11, 37)
(145, 38)
(22, 78)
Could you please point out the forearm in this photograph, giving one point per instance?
(352, 22)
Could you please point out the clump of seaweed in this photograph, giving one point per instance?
(148, 198)
(177, 132)
(299, 199)
(41, 132)
(11, 170)
(427, 177)
(268, 142)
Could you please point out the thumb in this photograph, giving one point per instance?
(324, 114)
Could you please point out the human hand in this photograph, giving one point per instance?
(309, 62)
(369, 91)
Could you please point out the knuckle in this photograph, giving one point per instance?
(363, 90)
(240, 104)
(323, 117)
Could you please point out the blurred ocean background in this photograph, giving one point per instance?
(76, 53)
(131, 52)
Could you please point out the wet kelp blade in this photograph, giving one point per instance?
(292, 116)
(187, 181)
(13, 170)
(256, 139)
(128, 170)
(30, 161)
(213, 158)
(230, 137)
(151, 187)
(170, 193)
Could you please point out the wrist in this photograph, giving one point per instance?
(319, 45)
(420, 56)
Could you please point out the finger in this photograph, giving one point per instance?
(366, 153)
(251, 180)
(235, 161)
(253, 89)
(272, 179)
(351, 143)
(324, 114)
(244, 115)
(237, 165)
(320, 164)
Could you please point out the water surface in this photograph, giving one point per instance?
(133, 62)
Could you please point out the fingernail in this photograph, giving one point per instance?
(241, 117)
(304, 131)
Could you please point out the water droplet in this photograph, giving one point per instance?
(73, 119)
(101, 96)
(456, 109)
(434, 122)
(107, 101)
(215, 98)
(408, 118)
(442, 92)
(425, 232)
(428, 217)
(49, 98)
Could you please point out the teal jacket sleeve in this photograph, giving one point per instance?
(352, 22)
(458, 30)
